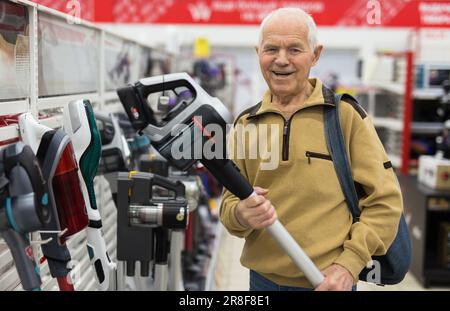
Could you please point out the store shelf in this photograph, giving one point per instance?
(439, 273)
(423, 229)
(389, 99)
(398, 89)
(395, 160)
(61, 101)
(427, 127)
(9, 132)
(110, 96)
(13, 107)
(114, 107)
(210, 277)
(9, 280)
(5, 256)
(85, 45)
(218, 233)
(390, 123)
(53, 122)
(428, 93)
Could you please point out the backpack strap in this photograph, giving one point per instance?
(336, 147)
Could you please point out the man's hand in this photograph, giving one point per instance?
(337, 278)
(256, 212)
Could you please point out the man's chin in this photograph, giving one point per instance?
(282, 92)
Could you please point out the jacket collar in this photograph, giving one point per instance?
(321, 95)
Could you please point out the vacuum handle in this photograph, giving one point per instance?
(23, 155)
(166, 82)
(175, 186)
(162, 245)
(98, 254)
(28, 160)
(298, 256)
(228, 174)
(23, 259)
(135, 97)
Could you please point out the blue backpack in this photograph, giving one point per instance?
(395, 264)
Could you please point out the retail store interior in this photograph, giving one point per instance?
(105, 206)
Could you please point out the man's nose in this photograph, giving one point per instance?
(282, 58)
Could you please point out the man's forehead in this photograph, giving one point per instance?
(285, 34)
(289, 28)
(275, 39)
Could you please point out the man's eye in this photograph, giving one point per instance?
(295, 51)
(271, 50)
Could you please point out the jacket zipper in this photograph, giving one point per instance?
(286, 131)
(310, 155)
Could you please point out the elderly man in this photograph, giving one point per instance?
(303, 191)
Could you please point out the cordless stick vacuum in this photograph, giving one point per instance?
(185, 131)
(115, 156)
(149, 201)
(23, 208)
(154, 163)
(55, 154)
(80, 125)
(177, 242)
(443, 140)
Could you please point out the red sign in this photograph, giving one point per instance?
(77, 8)
(371, 13)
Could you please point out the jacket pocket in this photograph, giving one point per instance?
(310, 154)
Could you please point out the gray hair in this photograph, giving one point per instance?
(303, 16)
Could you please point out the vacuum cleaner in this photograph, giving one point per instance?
(148, 201)
(115, 154)
(185, 132)
(56, 157)
(24, 208)
(80, 125)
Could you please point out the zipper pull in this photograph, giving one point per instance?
(285, 128)
(309, 157)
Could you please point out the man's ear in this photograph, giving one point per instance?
(256, 49)
(317, 53)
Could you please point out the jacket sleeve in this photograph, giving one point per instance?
(382, 205)
(229, 200)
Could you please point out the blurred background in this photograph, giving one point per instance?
(392, 55)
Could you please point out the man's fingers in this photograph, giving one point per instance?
(261, 191)
(323, 286)
(261, 209)
(254, 201)
(262, 221)
(271, 220)
(330, 284)
(267, 214)
(257, 211)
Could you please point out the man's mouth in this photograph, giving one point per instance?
(281, 73)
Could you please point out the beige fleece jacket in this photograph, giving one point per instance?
(305, 191)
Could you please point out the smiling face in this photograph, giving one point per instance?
(285, 56)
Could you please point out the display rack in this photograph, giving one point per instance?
(403, 98)
(388, 100)
(106, 47)
(429, 210)
(67, 59)
(221, 78)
